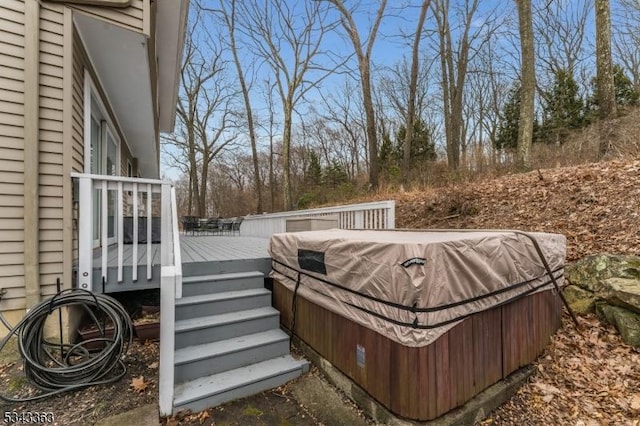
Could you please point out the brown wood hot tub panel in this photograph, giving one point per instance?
(426, 382)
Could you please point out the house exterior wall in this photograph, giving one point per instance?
(12, 153)
(62, 61)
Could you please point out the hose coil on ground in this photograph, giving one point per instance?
(55, 368)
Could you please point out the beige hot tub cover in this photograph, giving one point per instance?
(413, 286)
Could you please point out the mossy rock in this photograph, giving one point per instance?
(626, 322)
(580, 301)
(623, 292)
(590, 272)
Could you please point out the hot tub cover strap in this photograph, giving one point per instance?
(557, 273)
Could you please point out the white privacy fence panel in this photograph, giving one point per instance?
(375, 215)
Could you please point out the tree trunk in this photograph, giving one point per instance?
(372, 135)
(257, 183)
(525, 128)
(286, 160)
(605, 86)
(411, 108)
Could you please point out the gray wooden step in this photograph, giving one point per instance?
(220, 303)
(214, 328)
(207, 284)
(217, 389)
(215, 357)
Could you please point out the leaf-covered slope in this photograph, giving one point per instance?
(596, 206)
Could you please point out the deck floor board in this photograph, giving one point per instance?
(199, 248)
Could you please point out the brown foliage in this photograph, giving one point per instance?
(595, 206)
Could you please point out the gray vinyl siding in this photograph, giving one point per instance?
(12, 153)
(51, 145)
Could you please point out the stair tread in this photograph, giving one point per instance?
(227, 318)
(227, 295)
(233, 379)
(221, 277)
(236, 344)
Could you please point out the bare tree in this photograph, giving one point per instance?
(289, 38)
(605, 87)
(561, 26)
(227, 12)
(204, 111)
(626, 39)
(455, 55)
(344, 109)
(528, 86)
(411, 106)
(363, 50)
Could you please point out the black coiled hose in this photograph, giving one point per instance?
(75, 366)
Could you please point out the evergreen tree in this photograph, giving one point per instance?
(388, 157)
(335, 175)
(564, 110)
(507, 136)
(422, 144)
(313, 173)
(626, 94)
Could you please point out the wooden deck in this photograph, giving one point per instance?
(205, 248)
(201, 254)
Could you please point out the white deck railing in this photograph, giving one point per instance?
(92, 251)
(375, 215)
(93, 186)
(170, 290)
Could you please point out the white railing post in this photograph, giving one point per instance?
(167, 340)
(134, 201)
(149, 230)
(391, 215)
(85, 233)
(177, 255)
(104, 228)
(120, 233)
(166, 247)
(170, 289)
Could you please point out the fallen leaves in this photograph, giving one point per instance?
(594, 205)
(585, 378)
(138, 384)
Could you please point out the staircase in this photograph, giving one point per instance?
(228, 343)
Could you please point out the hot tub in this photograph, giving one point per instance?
(422, 321)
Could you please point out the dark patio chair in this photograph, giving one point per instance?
(235, 226)
(200, 226)
(189, 224)
(226, 226)
(213, 226)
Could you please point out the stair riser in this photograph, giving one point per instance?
(226, 331)
(201, 288)
(241, 392)
(217, 307)
(218, 364)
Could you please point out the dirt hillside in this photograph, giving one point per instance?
(595, 206)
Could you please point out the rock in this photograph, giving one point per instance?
(581, 301)
(590, 272)
(623, 292)
(626, 322)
